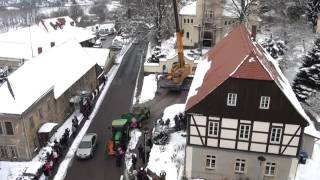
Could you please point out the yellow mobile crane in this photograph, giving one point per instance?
(180, 70)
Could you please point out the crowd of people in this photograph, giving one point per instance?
(58, 148)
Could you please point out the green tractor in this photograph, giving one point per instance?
(140, 114)
(120, 135)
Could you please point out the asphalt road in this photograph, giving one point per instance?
(118, 100)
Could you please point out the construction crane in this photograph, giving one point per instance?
(180, 70)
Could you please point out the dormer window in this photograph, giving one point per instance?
(264, 102)
(232, 99)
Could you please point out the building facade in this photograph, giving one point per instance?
(209, 21)
(44, 99)
(244, 121)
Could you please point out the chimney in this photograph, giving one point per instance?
(39, 50)
(52, 44)
(253, 32)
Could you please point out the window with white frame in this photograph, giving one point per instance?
(210, 162)
(232, 99)
(270, 169)
(276, 135)
(244, 131)
(264, 102)
(240, 166)
(213, 128)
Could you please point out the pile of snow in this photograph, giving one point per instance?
(169, 158)
(134, 138)
(310, 170)
(149, 88)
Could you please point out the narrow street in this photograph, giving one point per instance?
(118, 100)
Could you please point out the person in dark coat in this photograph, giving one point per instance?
(140, 150)
(149, 143)
(167, 123)
(134, 161)
(177, 123)
(46, 170)
(118, 159)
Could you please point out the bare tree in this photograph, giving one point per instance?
(241, 8)
(75, 12)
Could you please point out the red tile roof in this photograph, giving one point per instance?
(237, 56)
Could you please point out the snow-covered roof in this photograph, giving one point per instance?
(24, 42)
(53, 24)
(78, 33)
(99, 55)
(200, 73)
(108, 26)
(248, 60)
(47, 127)
(58, 68)
(189, 9)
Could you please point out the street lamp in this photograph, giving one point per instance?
(261, 159)
(146, 131)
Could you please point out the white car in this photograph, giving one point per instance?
(98, 44)
(87, 146)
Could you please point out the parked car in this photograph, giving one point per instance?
(136, 41)
(115, 47)
(98, 44)
(87, 146)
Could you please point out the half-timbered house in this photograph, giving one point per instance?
(244, 121)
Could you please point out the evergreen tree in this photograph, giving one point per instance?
(307, 79)
(276, 48)
(312, 10)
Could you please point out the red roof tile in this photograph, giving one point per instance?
(237, 56)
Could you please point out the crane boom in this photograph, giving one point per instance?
(179, 33)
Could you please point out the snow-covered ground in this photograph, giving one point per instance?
(310, 171)
(169, 158)
(149, 89)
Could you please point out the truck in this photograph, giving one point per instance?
(175, 79)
